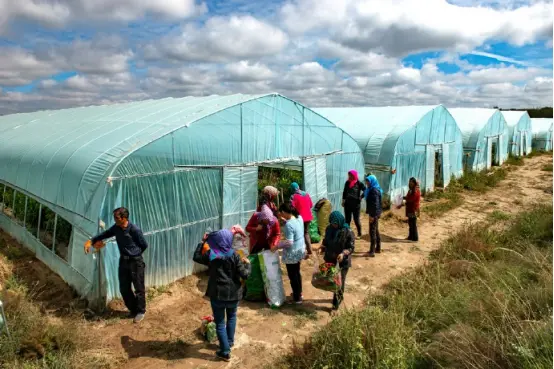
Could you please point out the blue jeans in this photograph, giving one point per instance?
(225, 332)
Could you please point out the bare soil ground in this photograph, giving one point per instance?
(169, 337)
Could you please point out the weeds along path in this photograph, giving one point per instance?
(168, 337)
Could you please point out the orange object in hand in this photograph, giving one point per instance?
(205, 248)
(88, 244)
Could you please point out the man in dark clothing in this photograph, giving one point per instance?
(374, 209)
(352, 196)
(131, 245)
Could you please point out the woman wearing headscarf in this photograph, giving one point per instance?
(412, 199)
(373, 198)
(352, 196)
(264, 230)
(294, 248)
(337, 246)
(267, 198)
(226, 269)
(302, 202)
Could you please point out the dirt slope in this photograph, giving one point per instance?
(168, 337)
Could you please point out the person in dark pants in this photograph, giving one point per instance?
(226, 269)
(352, 196)
(412, 198)
(373, 197)
(131, 245)
(337, 247)
(294, 248)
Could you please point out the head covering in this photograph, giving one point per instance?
(416, 183)
(337, 218)
(296, 189)
(266, 214)
(373, 183)
(221, 244)
(270, 192)
(352, 182)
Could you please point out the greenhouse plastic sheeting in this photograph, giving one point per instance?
(521, 132)
(181, 166)
(542, 133)
(396, 139)
(480, 128)
(316, 168)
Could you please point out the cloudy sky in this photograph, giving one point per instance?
(62, 53)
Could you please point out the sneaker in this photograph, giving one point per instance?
(225, 357)
(139, 318)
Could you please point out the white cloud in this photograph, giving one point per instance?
(400, 27)
(244, 71)
(221, 39)
(57, 13)
(20, 67)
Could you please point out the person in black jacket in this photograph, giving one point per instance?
(226, 269)
(373, 197)
(131, 244)
(352, 196)
(337, 247)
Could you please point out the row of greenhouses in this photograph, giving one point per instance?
(184, 165)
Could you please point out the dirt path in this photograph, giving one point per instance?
(168, 337)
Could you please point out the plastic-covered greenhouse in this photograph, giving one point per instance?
(542, 134)
(179, 165)
(486, 136)
(521, 133)
(402, 142)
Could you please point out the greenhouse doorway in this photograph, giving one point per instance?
(280, 177)
(495, 153)
(439, 179)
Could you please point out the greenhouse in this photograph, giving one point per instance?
(485, 135)
(402, 142)
(180, 166)
(521, 133)
(542, 134)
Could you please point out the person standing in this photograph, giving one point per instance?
(131, 244)
(264, 230)
(412, 199)
(294, 248)
(267, 198)
(373, 196)
(352, 196)
(226, 269)
(337, 247)
(302, 202)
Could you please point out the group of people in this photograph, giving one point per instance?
(228, 270)
(356, 191)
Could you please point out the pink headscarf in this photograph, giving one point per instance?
(266, 214)
(352, 182)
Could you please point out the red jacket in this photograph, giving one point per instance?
(258, 239)
(412, 201)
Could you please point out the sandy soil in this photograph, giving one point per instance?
(169, 338)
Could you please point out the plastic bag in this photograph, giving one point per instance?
(313, 230)
(273, 278)
(255, 290)
(398, 200)
(326, 277)
(207, 329)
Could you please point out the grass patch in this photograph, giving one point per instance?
(445, 202)
(515, 160)
(547, 168)
(498, 215)
(154, 292)
(484, 300)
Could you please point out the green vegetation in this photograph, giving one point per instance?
(483, 301)
(452, 197)
(279, 178)
(547, 168)
(545, 112)
(514, 160)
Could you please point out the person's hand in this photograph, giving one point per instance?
(98, 245)
(88, 245)
(340, 258)
(259, 227)
(273, 248)
(205, 237)
(245, 260)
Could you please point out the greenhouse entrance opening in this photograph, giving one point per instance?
(280, 177)
(495, 153)
(439, 180)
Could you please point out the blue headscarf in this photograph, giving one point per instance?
(221, 244)
(337, 218)
(373, 183)
(296, 189)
